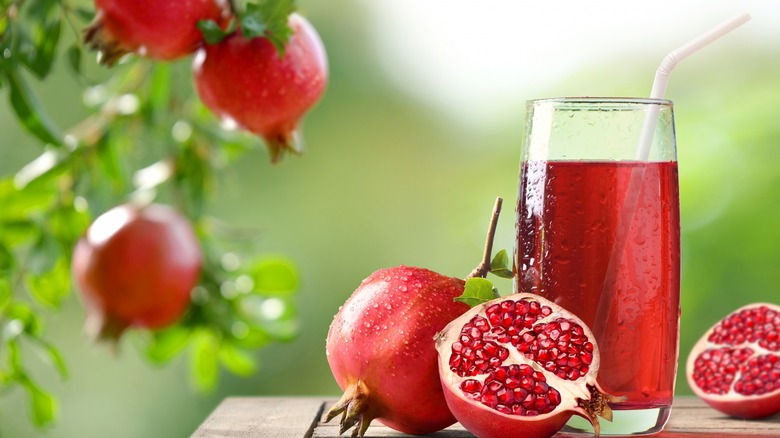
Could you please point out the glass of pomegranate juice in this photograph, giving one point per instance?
(598, 232)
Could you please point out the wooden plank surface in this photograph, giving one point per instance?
(256, 417)
(267, 417)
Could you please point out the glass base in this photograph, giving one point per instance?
(624, 422)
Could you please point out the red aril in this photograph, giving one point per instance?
(162, 30)
(136, 267)
(735, 366)
(520, 365)
(246, 81)
(381, 352)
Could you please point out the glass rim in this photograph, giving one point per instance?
(642, 101)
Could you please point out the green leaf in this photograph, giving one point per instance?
(20, 205)
(51, 287)
(478, 290)
(158, 102)
(29, 111)
(277, 317)
(499, 266)
(168, 343)
(14, 356)
(42, 404)
(84, 14)
(204, 365)
(68, 224)
(237, 361)
(6, 293)
(254, 338)
(31, 324)
(212, 33)
(50, 164)
(274, 277)
(52, 355)
(268, 18)
(74, 58)
(38, 53)
(43, 255)
(6, 261)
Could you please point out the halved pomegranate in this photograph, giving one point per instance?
(735, 366)
(520, 364)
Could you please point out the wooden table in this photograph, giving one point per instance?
(274, 417)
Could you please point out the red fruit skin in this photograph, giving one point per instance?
(754, 408)
(246, 81)
(157, 29)
(741, 406)
(383, 335)
(488, 423)
(136, 267)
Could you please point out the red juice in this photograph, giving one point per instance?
(571, 217)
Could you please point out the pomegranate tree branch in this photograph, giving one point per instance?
(484, 266)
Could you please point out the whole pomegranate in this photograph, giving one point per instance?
(735, 366)
(381, 352)
(520, 364)
(247, 82)
(136, 267)
(157, 29)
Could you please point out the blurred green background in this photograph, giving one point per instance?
(400, 169)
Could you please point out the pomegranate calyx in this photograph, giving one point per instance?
(284, 142)
(100, 328)
(597, 405)
(97, 38)
(354, 409)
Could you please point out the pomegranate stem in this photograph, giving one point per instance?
(484, 266)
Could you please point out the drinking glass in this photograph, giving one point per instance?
(598, 232)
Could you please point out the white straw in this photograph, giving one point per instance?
(665, 69)
(643, 152)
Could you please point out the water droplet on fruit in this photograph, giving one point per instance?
(402, 288)
(376, 305)
(387, 278)
(367, 324)
(389, 306)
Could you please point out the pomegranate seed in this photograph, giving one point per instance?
(522, 307)
(505, 396)
(489, 399)
(455, 362)
(503, 409)
(507, 306)
(471, 386)
(481, 324)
